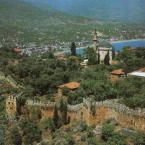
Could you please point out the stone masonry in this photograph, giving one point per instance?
(108, 109)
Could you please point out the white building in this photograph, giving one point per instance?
(138, 73)
(102, 48)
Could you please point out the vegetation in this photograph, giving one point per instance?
(73, 49)
(91, 55)
(14, 136)
(39, 76)
(30, 131)
(139, 139)
(107, 59)
(24, 26)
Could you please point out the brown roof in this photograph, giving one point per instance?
(114, 62)
(118, 72)
(17, 50)
(71, 85)
(61, 58)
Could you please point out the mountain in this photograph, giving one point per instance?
(23, 22)
(108, 10)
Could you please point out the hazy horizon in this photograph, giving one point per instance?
(112, 10)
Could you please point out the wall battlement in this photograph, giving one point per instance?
(113, 104)
(11, 105)
(40, 103)
(132, 118)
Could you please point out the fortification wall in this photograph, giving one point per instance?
(47, 112)
(125, 116)
(136, 122)
(124, 119)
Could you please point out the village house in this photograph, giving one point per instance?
(117, 74)
(72, 86)
(18, 50)
(84, 63)
(102, 48)
(138, 73)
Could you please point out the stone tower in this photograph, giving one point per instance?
(96, 42)
(11, 106)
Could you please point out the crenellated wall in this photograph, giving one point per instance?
(125, 116)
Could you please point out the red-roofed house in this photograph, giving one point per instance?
(18, 50)
(71, 86)
(117, 74)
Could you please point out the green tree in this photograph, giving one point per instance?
(113, 53)
(98, 59)
(116, 139)
(107, 131)
(3, 135)
(139, 139)
(48, 124)
(91, 55)
(107, 59)
(14, 136)
(30, 131)
(56, 117)
(63, 112)
(73, 49)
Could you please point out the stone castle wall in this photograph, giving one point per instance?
(11, 106)
(125, 116)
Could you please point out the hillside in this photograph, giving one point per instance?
(22, 22)
(108, 10)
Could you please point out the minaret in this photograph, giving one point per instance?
(96, 43)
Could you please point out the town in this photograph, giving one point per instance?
(72, 72)
(77, 95)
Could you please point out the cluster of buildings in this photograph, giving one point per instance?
(57, 47)
(29, 51)
(120, 73)
(102, 48)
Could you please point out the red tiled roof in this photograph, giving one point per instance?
(18, 50)
(118, 72)
(71, 85)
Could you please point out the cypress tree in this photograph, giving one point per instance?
(63, 112)
(107, 59)
(56, 117)
(98, 59)
(113, 53)
(91, 55)
(65, 120)
(73, 49)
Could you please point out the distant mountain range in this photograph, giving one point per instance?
(110, 10)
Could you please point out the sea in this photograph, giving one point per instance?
(118, 45)
(80, 51)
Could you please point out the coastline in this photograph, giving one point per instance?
(131, 40)
(80, 47)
